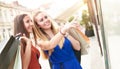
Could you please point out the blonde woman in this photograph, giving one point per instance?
(55, 44)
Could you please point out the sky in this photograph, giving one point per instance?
(29, 3)
(36, 3)
(56, 8)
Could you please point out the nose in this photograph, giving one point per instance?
(31, 23)
(45, 18)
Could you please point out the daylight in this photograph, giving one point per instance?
(36, 3)
(71, 34)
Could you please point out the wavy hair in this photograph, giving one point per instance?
(40, 34)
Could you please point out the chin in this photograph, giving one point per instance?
(30, 31)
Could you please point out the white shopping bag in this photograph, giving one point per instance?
(18, 61)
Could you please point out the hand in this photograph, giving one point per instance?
(68, 26)
(24, 39)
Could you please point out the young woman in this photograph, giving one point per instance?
(55, 43)
(30, 54)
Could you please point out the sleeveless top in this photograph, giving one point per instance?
(64, 58)
(34, 62)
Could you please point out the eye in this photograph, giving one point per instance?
(45, 17)
(31, 20)
(41, 19)
(27, 21)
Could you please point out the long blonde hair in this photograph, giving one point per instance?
(39, 34)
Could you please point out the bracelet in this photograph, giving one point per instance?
(67, 34)
(62, 33)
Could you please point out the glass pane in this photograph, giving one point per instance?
(111, 22)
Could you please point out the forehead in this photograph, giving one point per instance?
(40, 15)
(26, 17)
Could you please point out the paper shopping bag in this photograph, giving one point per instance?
(83, 39)
(8, 54)
(18, 61)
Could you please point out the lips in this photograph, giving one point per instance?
(47, 23)
(30, 29)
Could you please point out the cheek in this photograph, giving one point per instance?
(28, 27)
(40, 25)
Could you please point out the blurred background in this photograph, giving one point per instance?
(99, 20)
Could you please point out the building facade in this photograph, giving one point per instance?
(7, 14)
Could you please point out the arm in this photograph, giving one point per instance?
(47, 45)
(25, 52)
(75, 43)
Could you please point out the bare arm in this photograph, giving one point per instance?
(47, 45)
(26, 53)
(75, 43)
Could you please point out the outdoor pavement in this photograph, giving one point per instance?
(93, 60)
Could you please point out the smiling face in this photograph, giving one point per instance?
(43, 21)
(28, 24)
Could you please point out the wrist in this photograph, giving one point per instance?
(67, 34)
(29, 42)
(63, 33)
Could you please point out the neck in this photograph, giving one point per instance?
(49, 33)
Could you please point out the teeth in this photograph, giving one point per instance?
(46, 23)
